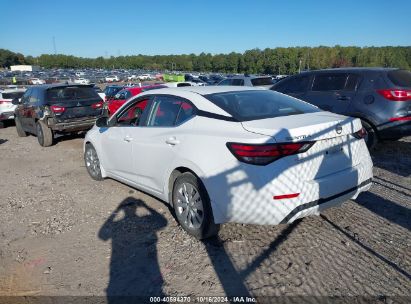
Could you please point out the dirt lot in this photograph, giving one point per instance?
(64, 234)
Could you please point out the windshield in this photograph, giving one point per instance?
(262, 81)
(253, 105)
(111, 91)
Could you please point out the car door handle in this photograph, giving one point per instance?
(172, 141)
(127, 139)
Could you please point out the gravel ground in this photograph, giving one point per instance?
(61, 233)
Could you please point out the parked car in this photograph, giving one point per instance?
(231, 154)
(144, 77)
(120, 98)
(111, 90)
(60, 108)
(178, 84)
(81, 81)
(99, 92)
(250, 81)
(112, 78)
(36, 81)
(6, 106)
(380, 97)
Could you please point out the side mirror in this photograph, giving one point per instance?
(102, 122)
(15, 101)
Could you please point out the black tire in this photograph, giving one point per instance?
(371, 139)
(198, 223)
(1, 124)
(19, 128)
(92, 162)
(44, 134)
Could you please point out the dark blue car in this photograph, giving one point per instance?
(380, 97)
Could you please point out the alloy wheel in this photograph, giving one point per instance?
(92, 162)
(189, 205)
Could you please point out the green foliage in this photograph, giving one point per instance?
(269, 61)
(8, 58)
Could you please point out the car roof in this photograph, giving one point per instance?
(196, 94)
(58, 85)
(352, 69)
(247, 76)
(204, 90)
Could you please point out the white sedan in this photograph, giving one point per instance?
(231, 154)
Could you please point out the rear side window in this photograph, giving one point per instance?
(292, 85)
(169, 111)
(401, 78)
(70, 93)
(237, 82)
(252, 105)
(261, 81)
(13, 95)
(329, 82)
(352, 82)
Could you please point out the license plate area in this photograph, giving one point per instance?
(333, 145)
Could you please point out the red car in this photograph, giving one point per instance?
(120, 98)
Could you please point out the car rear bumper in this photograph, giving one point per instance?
(72, 125)
(246, 203)
(395, 129)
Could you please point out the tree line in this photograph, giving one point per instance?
(268, 61)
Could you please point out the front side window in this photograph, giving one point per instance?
(26, 96)
(133, 116)
(225, 82)
(329, 82)
(169, 111)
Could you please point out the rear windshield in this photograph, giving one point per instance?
(111, 91)
(401, 78)
(153, 88)
(12, 95)
(70, 93)
(253, 105)
(261, 81)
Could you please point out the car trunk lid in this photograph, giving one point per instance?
(303, 127)
(333, 149)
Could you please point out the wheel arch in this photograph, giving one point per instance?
(176, 172)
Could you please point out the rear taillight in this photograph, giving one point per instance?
(402, 118)
(57, 109)
(266, 153)
(97, 105)
(5, 101)
(395, 94)
(360, 134)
